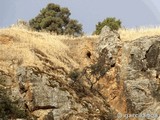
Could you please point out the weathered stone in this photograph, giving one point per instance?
(109, 40)
(45, 93)
(5, 79)
(140, 66)
(138, 70)
(130, 82)
(139, 94)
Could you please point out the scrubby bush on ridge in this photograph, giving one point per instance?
(111, 22)
(56, 19)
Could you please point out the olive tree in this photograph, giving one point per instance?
(56, 19)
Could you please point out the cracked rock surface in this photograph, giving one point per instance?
(140, 73)
(130, 83)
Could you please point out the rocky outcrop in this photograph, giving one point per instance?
(119, 80)
(109, 40)
(53, 96)
(137, 68)
(140, 73)
(43, 92)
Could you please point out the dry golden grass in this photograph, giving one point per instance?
(22, 47)
(17, 47)
(134, 33)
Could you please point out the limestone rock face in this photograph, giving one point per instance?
(140, 73)
(43, 92)
(118, 77)
(50, 97)
(110, 40)
(137, 67)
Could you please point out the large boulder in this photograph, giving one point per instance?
(140, 73)
(43, 92)
(51, 98)
(111, 41)
(137, 70)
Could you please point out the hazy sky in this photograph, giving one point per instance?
(132, 13)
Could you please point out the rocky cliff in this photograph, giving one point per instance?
(43, 77)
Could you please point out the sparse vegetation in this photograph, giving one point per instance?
(9, 110)
(91, 74)
(135, 33)
(93, 89)
(74, 74)
(56, 19)
(111, 22)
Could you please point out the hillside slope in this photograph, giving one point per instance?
(50, 77)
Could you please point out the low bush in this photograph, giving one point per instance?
(111, 22)
(8, 109)
(74, 74)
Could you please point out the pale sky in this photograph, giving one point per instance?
(132, 13)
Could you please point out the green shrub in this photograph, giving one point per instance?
(98, 69)
(74, 74)
(111, 22)
(8, 109)
(56, 19)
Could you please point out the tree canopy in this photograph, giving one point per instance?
(111, 22)
(56, 19)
